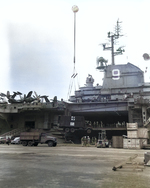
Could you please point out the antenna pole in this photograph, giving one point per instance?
(75, 9)
(113, 37)
(74, 60)
(112, 49)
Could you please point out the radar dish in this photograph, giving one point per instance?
(146, 56)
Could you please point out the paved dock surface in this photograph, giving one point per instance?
(69, 166)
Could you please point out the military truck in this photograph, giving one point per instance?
(34, 138)
(73, 123)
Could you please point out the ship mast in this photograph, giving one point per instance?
(113, 36)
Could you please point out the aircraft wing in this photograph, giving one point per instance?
(29, 94)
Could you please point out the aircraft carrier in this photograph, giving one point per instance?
(122, 98)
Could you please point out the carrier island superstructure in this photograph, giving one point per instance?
(122, 98)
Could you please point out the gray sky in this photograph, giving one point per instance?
(36, 41)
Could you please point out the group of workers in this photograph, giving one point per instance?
(86, 141)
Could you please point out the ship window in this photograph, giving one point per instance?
(116, 74)
(72, 118)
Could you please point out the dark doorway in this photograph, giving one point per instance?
(30, 124)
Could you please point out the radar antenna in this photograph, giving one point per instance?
(114, 36)
(146, 56)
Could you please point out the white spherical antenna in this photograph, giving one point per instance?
(75, 8)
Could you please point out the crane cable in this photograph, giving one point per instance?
(73, 82)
